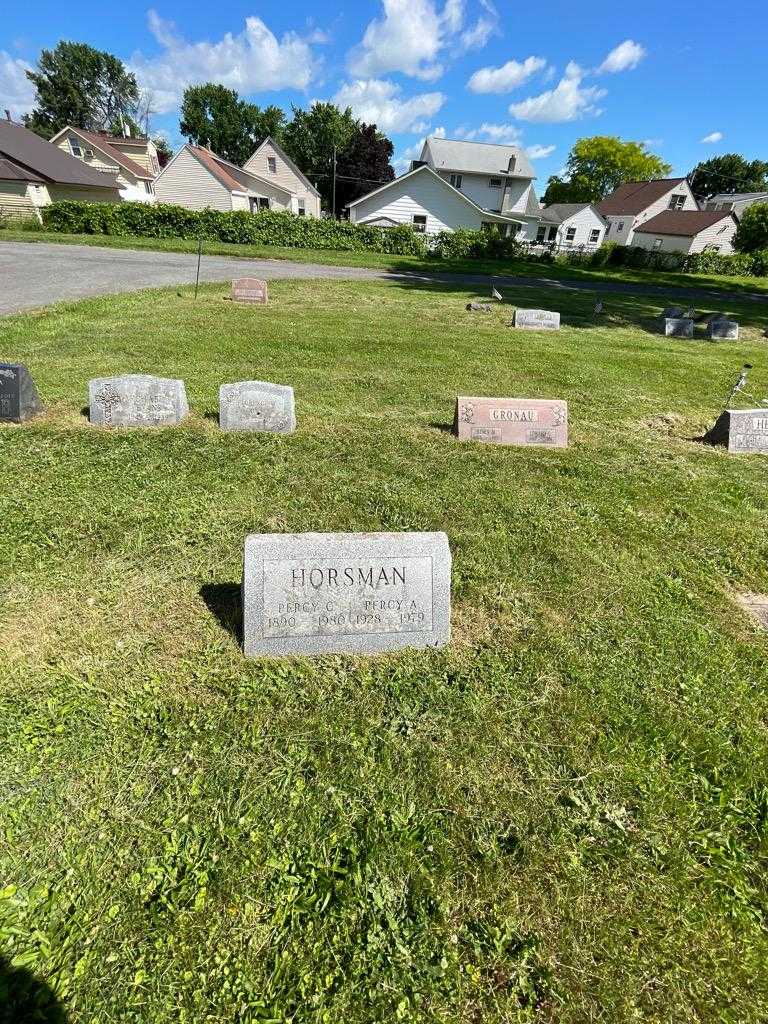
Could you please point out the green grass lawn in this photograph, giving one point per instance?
(380, 261)
(560, 817)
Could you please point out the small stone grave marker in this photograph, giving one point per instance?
(19, 400)
(250, 289)
(136, 400)
(678, 327)
(755, 605)
(512, 421)
(721, 328)
(256, 405)
(345, 593)
(671, 313)
(742, 430)
(537, 320)
(479, 307)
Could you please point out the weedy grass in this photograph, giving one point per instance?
(381, 261)
(560, 817)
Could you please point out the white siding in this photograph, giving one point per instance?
(517, 195)
(719, 234)
(284, 176)
(185, 182)
(15, 198)
(585, 221)
(633, 223)
(418, 194)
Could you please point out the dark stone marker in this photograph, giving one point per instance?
(19, 399)
(479, 307)
(742, 430)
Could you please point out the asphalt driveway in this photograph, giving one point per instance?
(34, 274)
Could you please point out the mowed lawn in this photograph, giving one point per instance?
(560, 817)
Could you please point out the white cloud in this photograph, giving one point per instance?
(502, 134)
(378, 101)
(507, 77)
(624, 57)
(568, 101)
(712, 137)
(539, 152)
(411, 35)
(252, 61)
(403, 161)
(16, 91)
(650, 143)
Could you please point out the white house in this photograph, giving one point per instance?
(270, 162)
(688, 231)
(457, 185)
(736, 203)
(636, 202)
(571, 224)
(133, 160)
(198, 179)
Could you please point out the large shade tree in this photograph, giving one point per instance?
(214, 116)
(311, 139)
(79, 85)
(596, 167)
(364, 164)
(728, 173)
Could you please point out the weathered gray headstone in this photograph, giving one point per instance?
(19, 399)
(337, 593)
(716, 316)
(136, 400)
(479, 307)
(537, 320)
(671, 313)
(256, 405)
(519, 421)
(727, 329)
(678, 327)
(250, 289)
(742, 430)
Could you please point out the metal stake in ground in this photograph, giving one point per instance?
(740, 383)
(199, 254)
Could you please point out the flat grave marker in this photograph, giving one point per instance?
(256, 405)
(479, 307)
(678, 327)
(345, 593)
(250, 290)
(19, 400)
(540, 422)
(537, 320)
(741, 430)
(136, 400)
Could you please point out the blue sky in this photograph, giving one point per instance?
(690, 79)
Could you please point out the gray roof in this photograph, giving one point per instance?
(737, 197)
(476, 157)
(42, 158)
(558, 212)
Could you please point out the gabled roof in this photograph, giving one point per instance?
(635, 196)
(685, 223)
(103, 144)
(228, 174)
(424, 169)
(476, 157)
(38, 156)
(737, 197)
(284, 156)
(558, 212)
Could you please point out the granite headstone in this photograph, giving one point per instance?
(136, 400)
(539, 422)
(19, 400)
(671, 313)
(250, 289)
(339, 593)
(741, 430)
(678, 327)
(537, 320)
(256, 405)
(723, 329)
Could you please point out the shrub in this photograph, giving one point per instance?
(602, 256)
(752, 232)
(467, 243)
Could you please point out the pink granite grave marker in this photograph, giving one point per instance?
(541, 422)
(250, 289)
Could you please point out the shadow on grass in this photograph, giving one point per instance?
(446, 428)
(24, 999)
(224, 601)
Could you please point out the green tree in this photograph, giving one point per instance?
(596, 167)
(363, 165)
(728, 173)
(214, 116)
(752, 232)
(78, 85)
(164, 151)
(310, 138)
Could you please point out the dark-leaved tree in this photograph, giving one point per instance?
(214, 116)
(728, 173)
(363, 165)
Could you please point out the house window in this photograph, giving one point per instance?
(259, 203)
(494, 183)
(541, 233)
(419, 223)
(552, 234)
(75, 148)
(570, 234)
(272, 164)
(657, 243)
(620, 226)
(676, 202)
(149, 187)
(263, 203)
(302, 211)
(456, 180)
(594, 235)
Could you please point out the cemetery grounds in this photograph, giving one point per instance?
(560, 817)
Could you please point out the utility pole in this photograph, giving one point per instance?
(334, 183)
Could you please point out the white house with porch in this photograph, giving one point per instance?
(454, 185)
(571, 225)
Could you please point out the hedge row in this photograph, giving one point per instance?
(737, 264)
(268, 227)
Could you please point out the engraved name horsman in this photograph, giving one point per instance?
(349, 576)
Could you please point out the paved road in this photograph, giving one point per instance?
(34, 274)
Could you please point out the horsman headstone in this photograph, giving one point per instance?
(537, 320)
(136, 400)
(19, 400)
(742, 430)
(512, 421)
(721, 329)
(257, 406)
(250, 289)
(678, 327)
(345, 593)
